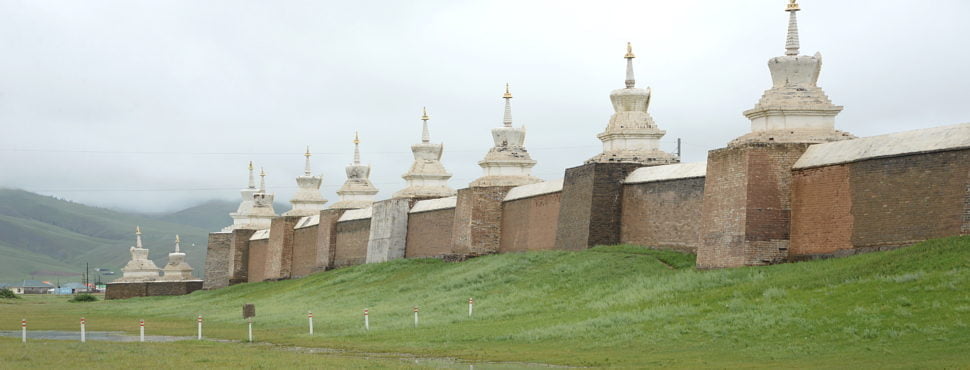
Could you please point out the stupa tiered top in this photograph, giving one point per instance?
(427, 177)
(357, 191)
(631, 135)
(507, 163)
(794, 109)
(139, 268)
(307, 201)
(256, 209)
(177, 269)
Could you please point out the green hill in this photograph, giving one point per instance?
(44, 237)
(609, 306)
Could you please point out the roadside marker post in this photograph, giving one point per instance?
(250, 320)
(415, 316)
(83, 334)
(199, 320)
(471, 304)
(309, 316)
(366, 320)
(141, 330)
(23, 330)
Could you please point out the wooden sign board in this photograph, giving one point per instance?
(249, 310)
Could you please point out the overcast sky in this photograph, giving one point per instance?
(156, 105)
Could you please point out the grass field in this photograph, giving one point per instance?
(609, 306)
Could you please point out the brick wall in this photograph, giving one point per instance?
(217, 267)
(279, 253)
(478, 220)
(258, 254)
(305, 251)
(663, 214)
(327, 238)
(239, 251)
(590, 208)
(430, 233)
(530, 223)
(351, 245)
(151, 289)
(747, 206)
(821, 211)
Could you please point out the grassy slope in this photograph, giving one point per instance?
(607, 306)
(73, 234)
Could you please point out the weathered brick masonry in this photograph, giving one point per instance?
(530, 223)
(239, 251)
(217, 259)
(430, 233)
(327, 238)
(258, 256)
(279, 252)
(478, 220)
(747, 205)
(151, 289)
(305, 251)
(663, 214)
(351, 246)
(589, 214)
(879, 203)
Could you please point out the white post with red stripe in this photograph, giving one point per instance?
(83, 333)
(199, 321)
(471, 304)
(141, 330)
(415, 316)
(366, 320)
(23, 330)
(309, 316)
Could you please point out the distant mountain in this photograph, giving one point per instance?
(45, 238)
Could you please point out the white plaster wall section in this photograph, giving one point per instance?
(260, 235)
(307, 221)
(927, 140)
(356, 214)
(388, 230)
(532, 190)
(434, 204)
(668, 172)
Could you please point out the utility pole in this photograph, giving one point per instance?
(678, 148)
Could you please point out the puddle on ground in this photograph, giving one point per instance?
(437, 362)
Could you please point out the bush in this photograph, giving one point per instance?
(8, 294)
(84, 297)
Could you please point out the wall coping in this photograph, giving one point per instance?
(428, 205)
(926, 140)
(356, 214)
(260, 235)
(307, 221)
(531, 190)
(667, 172)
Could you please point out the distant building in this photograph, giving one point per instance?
(31, 287)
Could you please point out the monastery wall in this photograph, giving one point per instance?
(239, 256)
(258, 256)
(429, 228)
(217, 267)
(353, 233)
(279, 250)
(881, 192)
(306, 249)
(326, 241)
(530, 217)
(662, 207)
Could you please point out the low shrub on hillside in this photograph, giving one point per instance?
(7, 294)
(84, 297)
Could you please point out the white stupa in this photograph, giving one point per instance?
(177, 269)
(507, 163)
(357, 191)
(427, 177)
(307, 201)
(631, 136)
(255, 212)
(794, 109)
(139, 268)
